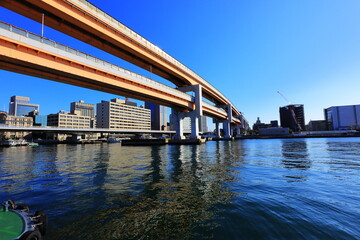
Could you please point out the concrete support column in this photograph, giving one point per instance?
(226, 124)
(178, 120)
(197, 112)
(217, 128)
(194, 127)
(238, 131)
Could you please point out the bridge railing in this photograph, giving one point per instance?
(219, 110)
(134, 76)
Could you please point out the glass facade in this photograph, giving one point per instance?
(21, 106)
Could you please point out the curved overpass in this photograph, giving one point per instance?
(84, 21)
(27, 53)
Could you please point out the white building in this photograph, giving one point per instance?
(121, 114)
(342, 117)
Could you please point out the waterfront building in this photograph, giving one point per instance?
(274, 123)
(273, 131)
(342, 117)
(292, 117)
(15, 121)
(203, 124)
(121, 114)
(21, 106)
(38, 120)
(64, 119)
(84, 109)
(158, 116)
(316, 125)
(258, 124)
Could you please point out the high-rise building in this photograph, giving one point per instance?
(342, 117)
(21, 106)
(121, 114)
(158, 116)
(292, 117)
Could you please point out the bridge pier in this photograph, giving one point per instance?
(217, 128)
(194, 115)
(227, 122)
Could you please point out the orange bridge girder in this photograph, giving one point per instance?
(17, 55)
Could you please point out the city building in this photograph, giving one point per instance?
(158, 116)
(38, 120)
(121, 114)
(258, 124)
(274, 131)
(84, 109)
(15, 121)
(292, 117)
(342, 117)
(21, 106)
(203, 124)
(64, 119)
(274, 123)
(316, 125)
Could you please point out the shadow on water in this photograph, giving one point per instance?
(295, 156)
(174, 195)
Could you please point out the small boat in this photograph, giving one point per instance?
(14, 143)
(9, 143)
(114, 140)
(17, 223)
(33, 144)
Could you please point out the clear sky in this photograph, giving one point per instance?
(308, 50)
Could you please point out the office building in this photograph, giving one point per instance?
(84, 109)
(21, 106)
(316, 125)
(342, 117)
(68, 120)
(292, 117)
(158, 116)
(15, 121)
(203, 124)
(121, 114)
(39, 120)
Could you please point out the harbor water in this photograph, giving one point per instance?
(243, 189)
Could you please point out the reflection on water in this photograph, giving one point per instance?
(266, 189)
(295, 155)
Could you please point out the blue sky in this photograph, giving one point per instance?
(308, 50)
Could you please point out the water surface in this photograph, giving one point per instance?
(245, 189)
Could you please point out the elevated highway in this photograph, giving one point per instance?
(84, 21)
(27, 53)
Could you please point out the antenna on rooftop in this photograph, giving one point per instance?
(284, 97)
